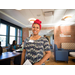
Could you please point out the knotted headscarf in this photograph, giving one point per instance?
(38, 22)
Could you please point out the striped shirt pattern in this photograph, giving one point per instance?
(34, 50)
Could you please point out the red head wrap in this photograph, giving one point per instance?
(38, 22)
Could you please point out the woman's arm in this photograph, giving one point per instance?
(47, 55)
(23, 56)
(11, 48)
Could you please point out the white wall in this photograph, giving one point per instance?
(30, 32)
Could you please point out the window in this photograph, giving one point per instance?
(19, 37)
(3, 40)
(2, 29)
(12, 31)
(11, 39)
(9, 32)
(3, 34)
(12, 34)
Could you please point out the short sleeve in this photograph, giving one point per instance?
(46, 45)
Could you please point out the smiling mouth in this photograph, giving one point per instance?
(35, 31)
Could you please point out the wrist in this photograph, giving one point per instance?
(40, 62)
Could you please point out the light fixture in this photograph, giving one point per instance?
(66, 18)
(18, 9)
(32, 20)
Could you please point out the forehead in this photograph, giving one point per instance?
(36, 25)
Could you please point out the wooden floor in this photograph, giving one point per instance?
(52, 61)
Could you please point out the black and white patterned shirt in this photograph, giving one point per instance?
(35, 49)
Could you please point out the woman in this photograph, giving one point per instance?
(35, 45)
(13, 46)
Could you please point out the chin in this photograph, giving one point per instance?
(35, 34)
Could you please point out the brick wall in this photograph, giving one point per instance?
(25, 33)
(66, 30)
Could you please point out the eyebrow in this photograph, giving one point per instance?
(36, 27)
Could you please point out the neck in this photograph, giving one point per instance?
(35, 35)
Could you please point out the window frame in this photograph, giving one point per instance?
(8, 25)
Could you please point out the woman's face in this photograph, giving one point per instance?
(15, 42)
(36, 29)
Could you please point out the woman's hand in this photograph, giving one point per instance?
(13, 49)
(47, 55)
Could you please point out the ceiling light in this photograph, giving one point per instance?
(32, 20)
(18, 9)
(66, 17)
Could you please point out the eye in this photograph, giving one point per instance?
(33, 27)
(36, 27)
